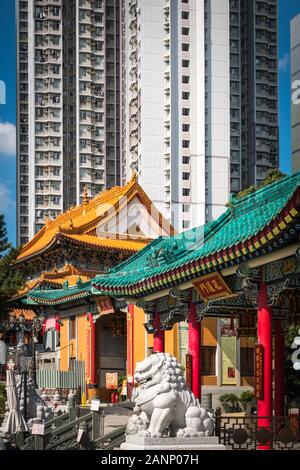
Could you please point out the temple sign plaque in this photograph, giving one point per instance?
(212, 286)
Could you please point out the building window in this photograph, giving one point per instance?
(208, 360)
(185, 31)
(185, 63)
(185, 176)
(186, 192)
(185, 127)
(186, 224)
(72, 327)
(247, 362)
(186, 160)
(185, 47)
(185, 15)
(186, 144)
(185, 111)
(185, 79)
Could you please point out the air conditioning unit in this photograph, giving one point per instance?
(45, 80)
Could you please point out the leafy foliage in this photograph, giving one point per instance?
(11, 279)
(4, 243)
(273, 175)
(247, 396)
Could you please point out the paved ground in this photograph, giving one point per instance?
(116, 416)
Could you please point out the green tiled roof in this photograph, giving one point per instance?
(54, 296)
(250, 226)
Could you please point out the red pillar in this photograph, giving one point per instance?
(264, 336)
(130, 348)
(279, 369)
(195, 350)
(159, 336)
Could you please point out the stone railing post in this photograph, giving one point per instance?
(72, 407)
(97, 424)
(84, 443)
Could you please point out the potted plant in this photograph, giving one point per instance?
(230, 402)
(246, 398)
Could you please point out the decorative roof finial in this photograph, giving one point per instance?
(85, 197)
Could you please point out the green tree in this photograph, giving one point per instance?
(4, 243)
(11, 279)
(272, 175)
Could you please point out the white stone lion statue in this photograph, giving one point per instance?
(164, 405)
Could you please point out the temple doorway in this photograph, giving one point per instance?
(111, 349)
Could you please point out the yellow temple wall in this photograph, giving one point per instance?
(82, 327)
(141, 337)
(209, 338)
(209, 332)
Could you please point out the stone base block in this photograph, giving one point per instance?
(172, 443)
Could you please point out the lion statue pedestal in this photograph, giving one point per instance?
(167, 413)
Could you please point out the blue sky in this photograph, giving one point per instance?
(287, 10)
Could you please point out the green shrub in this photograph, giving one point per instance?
(246, 397)
(230, 402)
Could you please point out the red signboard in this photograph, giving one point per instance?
(105, 306)
(212, 287)
(188, 370)
(259, 365)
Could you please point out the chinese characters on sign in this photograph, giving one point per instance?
(188, 370)
(259, 362)
(212, 287)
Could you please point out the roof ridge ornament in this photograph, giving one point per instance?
(85, 195)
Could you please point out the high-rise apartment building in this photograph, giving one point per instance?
(254, 95)
(175, 107)
(199, 101)
(295, 79)
(183, 91)
(67, 105)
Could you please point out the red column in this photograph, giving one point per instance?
(264, 336)
(279, 369)
(159, 336)
(93, 350)
(195, 350)
(130, 348)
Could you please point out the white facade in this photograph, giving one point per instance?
(176, 87)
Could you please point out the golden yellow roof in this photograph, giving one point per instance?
(84, 218)
(112, 243)
(26, 313)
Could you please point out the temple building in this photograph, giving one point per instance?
(219, 297)
(244, 266)
(63, 256)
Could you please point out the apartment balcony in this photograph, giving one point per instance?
(186, 168)
(167, 56)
